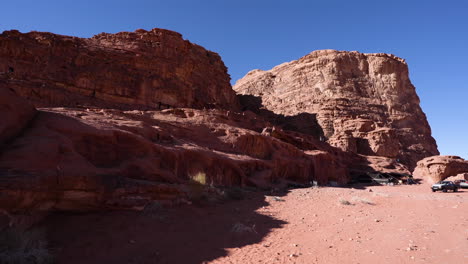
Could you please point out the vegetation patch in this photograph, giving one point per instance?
(241, 228)
(197, 186)
(344, 202)
(362, 200)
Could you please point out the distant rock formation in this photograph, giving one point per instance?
(364, 103)
(438, 168)
(154, 69)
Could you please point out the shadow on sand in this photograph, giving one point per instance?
(187, 234)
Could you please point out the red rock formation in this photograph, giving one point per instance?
(112, 154)
(78, 159)
(142, 69)
(15, 114)
(365, 103)
(82, 159)
(438, 168)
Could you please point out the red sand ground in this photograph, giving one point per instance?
(391, 224)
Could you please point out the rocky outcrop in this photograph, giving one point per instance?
(15, 114)
(364, 103)
(154, 69)
(438, 168)
(87, 159)
(82, 159)
(461, 176)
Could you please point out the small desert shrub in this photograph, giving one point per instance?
(240, 228)
(199, 178)
(381, 194)
(196, 186)
(23, 247)
(362, 200)
(344, 202)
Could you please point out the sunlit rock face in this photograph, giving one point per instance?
(439, 168)
(145, 69)
(364, 103)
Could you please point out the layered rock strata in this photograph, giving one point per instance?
(78, 159)
(84, 159)
(364, 103)
(15, 115)
(154, 69)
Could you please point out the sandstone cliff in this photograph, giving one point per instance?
(365, 103)
(154, 69)
(15, 115)
(127, 119)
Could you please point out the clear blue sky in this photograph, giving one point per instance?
(431, 35)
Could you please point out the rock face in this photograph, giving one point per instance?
(154, 69)
(15, 114)
(77, 159)
(364, 103)
(88, 159)
(100, 138)
(438, 168)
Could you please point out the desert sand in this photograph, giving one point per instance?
(384, 224)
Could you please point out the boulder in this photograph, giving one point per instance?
(461, 176)
(439, 168)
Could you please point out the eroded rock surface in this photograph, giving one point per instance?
(15, 114)
(438, 168)
(154, 69)
(81, 159)
(131, 118)
(364, 103)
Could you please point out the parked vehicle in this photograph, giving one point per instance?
(444, 186)
(461, 184)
